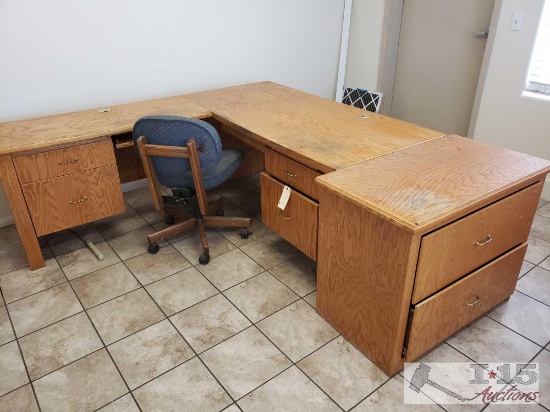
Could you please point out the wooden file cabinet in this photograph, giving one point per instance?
(299, 221)
(71, 186)
(401, 269)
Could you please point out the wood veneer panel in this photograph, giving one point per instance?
(451, 252)
(129, 165)
(53, 163)
(253, 152)
(68, 201)
(297, 223)
(320, 133)
(423, 187)
(365, 277)
(443, 314)
(39, 132)
(292, 173)
(20, 212)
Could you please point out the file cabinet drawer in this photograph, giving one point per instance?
(60, 162)
(67, 201)
(292, 173)
(443, 314)
(297, 223)
(455, 250)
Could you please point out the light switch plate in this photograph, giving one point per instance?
(517, 19)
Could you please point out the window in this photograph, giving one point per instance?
(538, 79)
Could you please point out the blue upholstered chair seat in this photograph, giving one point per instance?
(217, 165)
(229, 162)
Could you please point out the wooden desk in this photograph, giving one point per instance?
(380, 203)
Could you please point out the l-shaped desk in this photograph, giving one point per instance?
(411, 229)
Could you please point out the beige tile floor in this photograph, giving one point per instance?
(160, 332)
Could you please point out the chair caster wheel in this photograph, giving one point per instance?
(204, 259)
(153, 248)
(220, 213)
(245, 233)
(169, 220)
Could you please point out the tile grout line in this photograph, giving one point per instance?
(254, 324)
(525, 294)
(101, 339)
(23, 360)
(284, 354)
(177, 330)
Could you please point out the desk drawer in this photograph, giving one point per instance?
(297, 223)
(292, 173)
(53, 163)
(72, 200)
(443, 314)
(451, 252)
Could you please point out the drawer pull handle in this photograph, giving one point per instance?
(290, 174)
(488, 240)
(478, 299)
(74, 202)
(69, 162)
(283, 216)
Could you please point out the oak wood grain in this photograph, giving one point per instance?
(423, 187)
(252, 150)
(320, 133)
(45, 165)
(18, 136)
(297, 223)
(21, 216)
(150, 172)
(443, 314)
(292, 173)
(455, 250)
(365, 275)
(129, 165)
(67, 201)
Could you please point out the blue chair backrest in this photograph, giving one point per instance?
(177, 131)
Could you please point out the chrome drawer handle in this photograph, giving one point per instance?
(69, 162)
(290, 174)
(74, 202)
(488, 240)
(478, 299)
(283, 216)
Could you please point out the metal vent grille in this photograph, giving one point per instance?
(363, 99)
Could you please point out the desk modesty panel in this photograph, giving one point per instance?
(383, 205)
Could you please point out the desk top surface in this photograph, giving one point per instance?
(420, 186)
(321, 133)
(318, 132)
(41, 132)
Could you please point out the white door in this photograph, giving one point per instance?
(439, 61)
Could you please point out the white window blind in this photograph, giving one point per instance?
(538, 79)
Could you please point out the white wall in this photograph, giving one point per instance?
(66, 55)
(365, 43)
(504, 116)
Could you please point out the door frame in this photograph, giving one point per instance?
(388, 58)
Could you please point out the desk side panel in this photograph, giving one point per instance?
(364, 279)
(20, 212)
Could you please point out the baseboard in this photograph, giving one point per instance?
(6, 221)
(136, 184)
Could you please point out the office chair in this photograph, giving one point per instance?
(186, 155)
(363, 99)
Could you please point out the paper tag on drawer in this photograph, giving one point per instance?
(284, 198)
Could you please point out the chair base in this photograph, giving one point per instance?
(183, 221)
